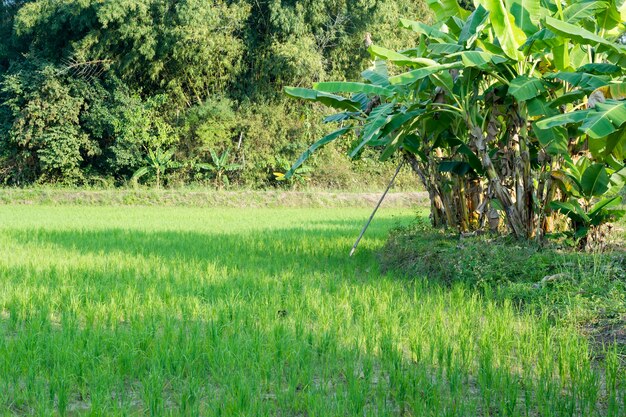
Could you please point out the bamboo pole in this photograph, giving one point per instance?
(376, 208)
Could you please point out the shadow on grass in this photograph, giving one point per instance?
(315, 241)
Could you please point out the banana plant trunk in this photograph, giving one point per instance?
(455, 202)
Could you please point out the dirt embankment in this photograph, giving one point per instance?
(208, 198)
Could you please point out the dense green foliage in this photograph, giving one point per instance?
(155, 311)
(89, 88)
(507, 109)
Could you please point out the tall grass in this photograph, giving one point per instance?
(180, 311)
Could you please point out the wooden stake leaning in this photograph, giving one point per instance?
(376, 209)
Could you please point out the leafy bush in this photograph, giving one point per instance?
(212, 124)
(43, 132)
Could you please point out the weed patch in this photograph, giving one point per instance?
(587, 290)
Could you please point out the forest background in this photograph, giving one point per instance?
(178, 93)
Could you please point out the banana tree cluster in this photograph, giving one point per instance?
(157, 162)
(506, 109)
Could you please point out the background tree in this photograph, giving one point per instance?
(216, 67)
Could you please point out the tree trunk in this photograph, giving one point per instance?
(437, 214)
(512, 215)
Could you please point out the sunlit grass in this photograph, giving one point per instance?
(129, 310)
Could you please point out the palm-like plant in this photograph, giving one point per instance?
(299, 175)
(157, 162)
(491, 104)
(220, 167)
(590, 193)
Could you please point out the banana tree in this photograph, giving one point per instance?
(157, 162)
(298, 176)
(592, 190)
(490, 104)
(220, 167)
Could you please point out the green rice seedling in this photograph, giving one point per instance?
(184, 311)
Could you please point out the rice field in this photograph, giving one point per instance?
(259, 312)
